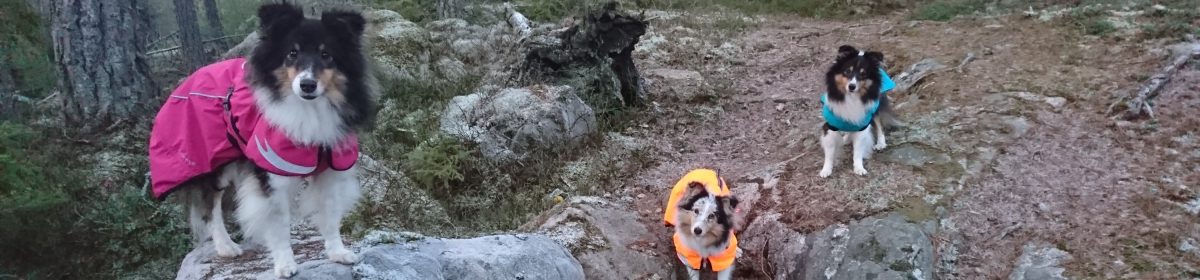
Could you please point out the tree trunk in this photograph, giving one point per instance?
(10, 106)
(102, 77)
(213, 14)
(450, 8)
(190, 41)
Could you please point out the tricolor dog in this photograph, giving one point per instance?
(702, 210)
(273, 128)
(855, 99)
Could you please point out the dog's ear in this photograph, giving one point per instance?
(276, 19)
(695, 191)
(846, 51)
(730, 208)
(348, 22)
(876, 57)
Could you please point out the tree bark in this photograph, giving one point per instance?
(216, 30)
(190, 39)
(102, 77)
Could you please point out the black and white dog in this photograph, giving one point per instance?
(286, 134)
(853, 103)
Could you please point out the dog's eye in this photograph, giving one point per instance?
(292, 54)
(712, 217)
(697, 211)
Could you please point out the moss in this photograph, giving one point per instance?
(901, 266)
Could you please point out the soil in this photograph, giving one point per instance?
(978, 147)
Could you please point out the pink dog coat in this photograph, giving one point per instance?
(212, 119)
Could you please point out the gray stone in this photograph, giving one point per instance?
(489, 257)
(1039, 262)
(516, 121)
(871, 248)
(916, 72)
(401, 256)
(683, 85)
(603, 235)
(915, 155)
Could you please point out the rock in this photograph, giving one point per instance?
(878, 248)
(490, 257)
(683, 85)
(203, 263)
(1057, 102)
(400, 46)
(916, 72)
(915, 155)
(386, 255)
(1038, 262)
(516, 121)
(407, 204)
(602, 235)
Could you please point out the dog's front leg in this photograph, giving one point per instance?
(264, 211)
(830, 141)
(726, 274)
(329, 199)
(862, 149)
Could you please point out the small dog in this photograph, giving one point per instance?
(277, 125)
(853, 103)
(702, 210)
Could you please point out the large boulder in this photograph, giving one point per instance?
(514, 122)
(519, 256)
(886, 247)
(386, 255)
(606, 237)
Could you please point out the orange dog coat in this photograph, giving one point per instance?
(716, 186)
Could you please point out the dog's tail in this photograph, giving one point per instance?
(885, 117)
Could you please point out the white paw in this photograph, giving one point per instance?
(228, 250)
(285, 269)
(880, 146)
(343, 256)
(860, 170)
(825, 172)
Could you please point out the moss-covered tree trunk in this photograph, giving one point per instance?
(190, 41)
(98, 53)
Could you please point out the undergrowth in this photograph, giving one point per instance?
(55, 223)
(944, 10)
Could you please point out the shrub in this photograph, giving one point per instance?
(437, 163)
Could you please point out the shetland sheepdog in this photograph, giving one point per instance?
(307, 83)
(854, 103)
(702, 209)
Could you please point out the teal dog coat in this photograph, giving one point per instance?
(840, 124)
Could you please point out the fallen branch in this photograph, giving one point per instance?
(970, 57)
(916, 73)
(154, 52)
(1140, 104)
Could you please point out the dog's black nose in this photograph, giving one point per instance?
(852, 87)
(697, 231)
(308, 85)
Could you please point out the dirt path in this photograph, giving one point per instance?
(1015, 149)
